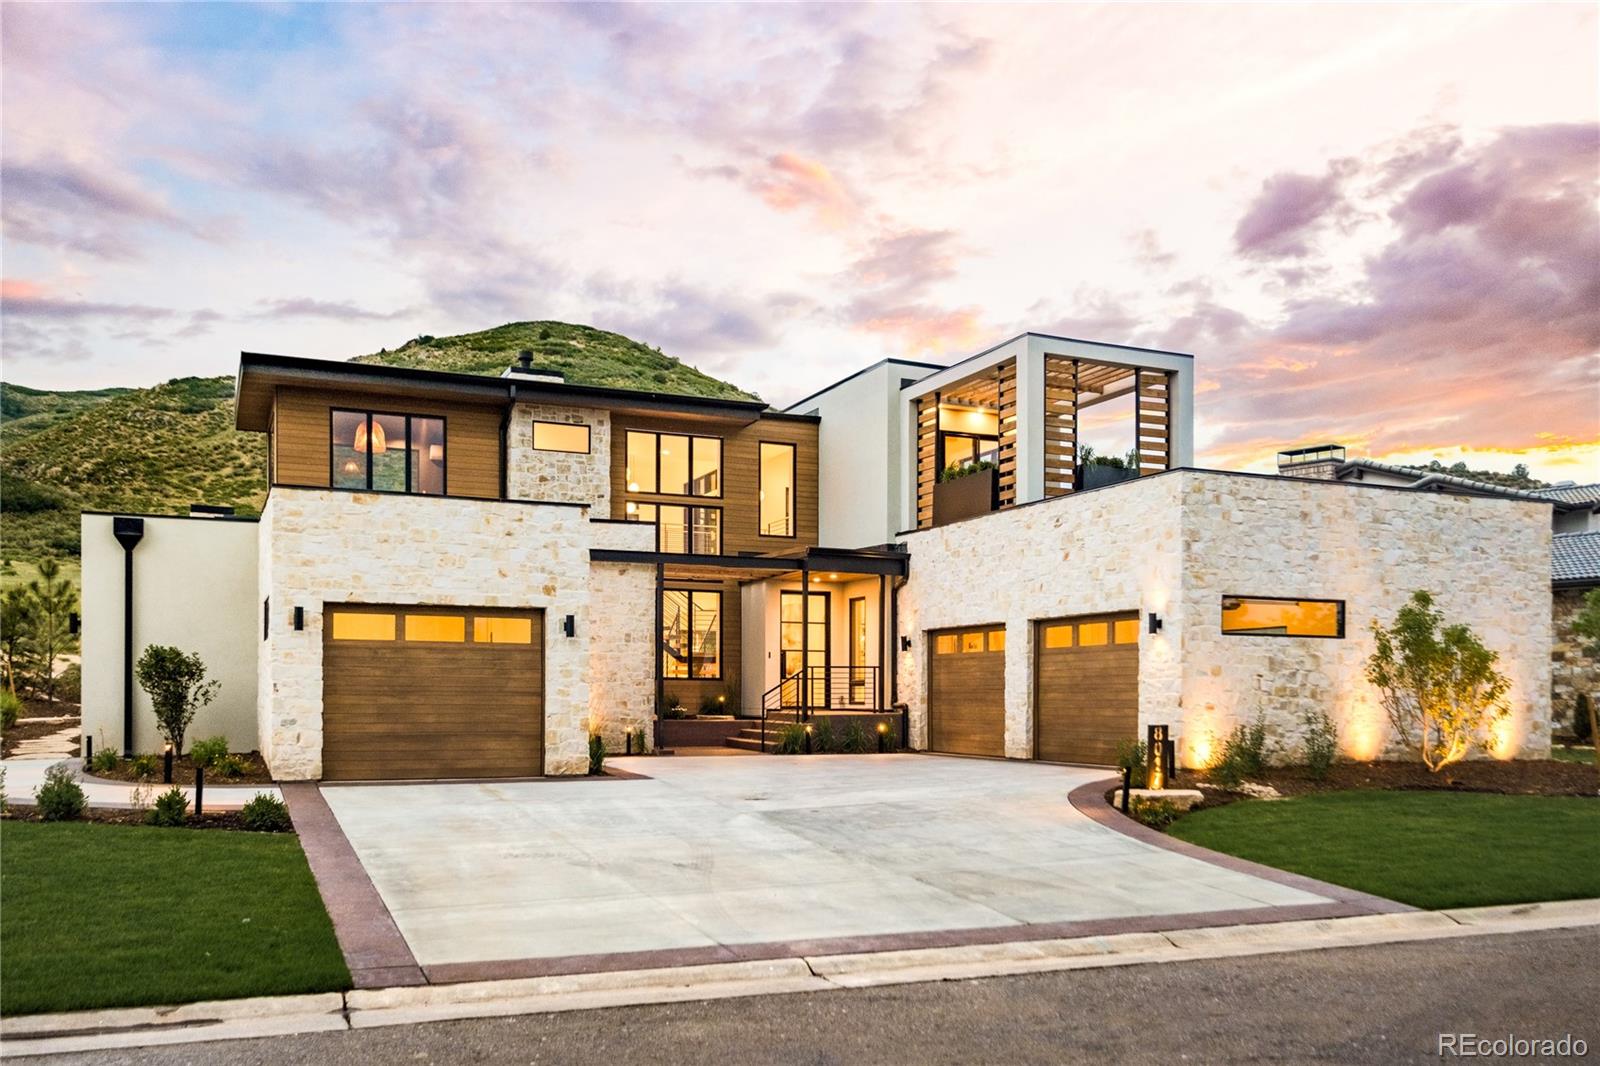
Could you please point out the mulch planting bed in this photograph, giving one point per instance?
(255, 772)
(122, 816)
(1520, 777)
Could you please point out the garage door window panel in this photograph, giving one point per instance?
(502, 630)
(361, 625)
(438, 628)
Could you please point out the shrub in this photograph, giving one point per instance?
(1321, 744)
(145, 764)
(60, 799)
(960, 470)
(178, 688)
(1438, 683)
(597, 753)
(1131, 757)
(823, 737)
(10, 708)
(229, 766)
(1155, 813)
(105, 760)
(674, 709)
(1582, 724)
(69, 684)
(792, 739)
(266, 814)
(1244, 754)
(855, 738)
(209, 752)
(171, 809)
(714, 705)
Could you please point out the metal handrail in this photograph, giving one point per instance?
(840, 688)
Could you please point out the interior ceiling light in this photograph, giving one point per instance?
(376, 444)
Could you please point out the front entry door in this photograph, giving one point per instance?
(795, 642)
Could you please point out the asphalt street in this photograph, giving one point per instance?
(1385, 1004)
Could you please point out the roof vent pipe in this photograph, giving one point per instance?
(525, 360)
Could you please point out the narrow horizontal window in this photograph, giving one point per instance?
(560, 437)
(490, 630)
(944, 644)
(362, 625)
(1125, 631)
(997, 640)
(971, 642)
(1265, 616)
(444, 628)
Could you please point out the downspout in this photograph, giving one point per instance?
(505, 438)
(660, 686)
(128, 531)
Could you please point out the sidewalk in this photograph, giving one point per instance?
(25, 775)
(362, 1009)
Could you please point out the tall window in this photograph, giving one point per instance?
(691, 634)
(387, 453)
(681, 529)
(777, 490)
(672, 464)
(1270, 616)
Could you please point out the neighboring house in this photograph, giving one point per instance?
(1575, 550)
(462, 576)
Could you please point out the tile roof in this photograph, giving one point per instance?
(1575, 559)
(1570, 498)
(1573, 493)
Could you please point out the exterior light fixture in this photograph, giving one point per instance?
(1153, 622)
(299, 619)
(166, 775)
(808, 739)
(569, 625)
(905, 643)
(883, 736)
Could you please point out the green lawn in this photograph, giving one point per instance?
(1574, 754)
(112, 916)
(1428, 849)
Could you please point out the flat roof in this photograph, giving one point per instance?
(865, 370)
(261, 372)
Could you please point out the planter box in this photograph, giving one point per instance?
(966, 497)
(697, 732)
(1096, 475)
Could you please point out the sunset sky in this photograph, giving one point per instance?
(1372, 225)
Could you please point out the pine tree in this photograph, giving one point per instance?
(16, 643)
(52, 603)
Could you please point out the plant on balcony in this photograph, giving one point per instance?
(960, 470)
(1438, 683)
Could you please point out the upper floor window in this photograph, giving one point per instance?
(674, 464)
(681, 530)
(388, 453)
(777, 490)
(1272, 616)
(561, 437)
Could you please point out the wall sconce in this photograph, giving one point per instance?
(299, 618)
(1153, 623)
(569, 625)
(905, 643)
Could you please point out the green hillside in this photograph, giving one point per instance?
(587, 356)
(163, 448)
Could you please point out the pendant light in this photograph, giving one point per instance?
(376, 443)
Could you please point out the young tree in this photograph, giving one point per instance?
(52, 603)
(177, 686)
(16, 645)
(1587, 628)
(1438, 682)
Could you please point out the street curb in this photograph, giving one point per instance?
(51, 1034)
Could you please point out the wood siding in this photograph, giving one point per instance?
(1086, 699)
(741, 477)
(408, 710)
(1154, 421)
(1008, 433)
(1060, 425)
(927, 457)
(302, 427)
(967, 696)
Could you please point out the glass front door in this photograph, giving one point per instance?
(795, 641)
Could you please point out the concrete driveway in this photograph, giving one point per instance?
(711, 852)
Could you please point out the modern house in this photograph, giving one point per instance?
(462, 576)
(1575, 550)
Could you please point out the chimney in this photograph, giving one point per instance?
(1321, 461)
(525, 370)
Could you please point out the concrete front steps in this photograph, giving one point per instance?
(749, 737)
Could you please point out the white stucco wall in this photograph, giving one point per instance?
(1176, 543)
(194, 585)
(566, 477)
(322, 546)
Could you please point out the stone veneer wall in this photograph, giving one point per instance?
(1572, 669)
(1112, 549)
(1486, 561)
(1176, 543)
(622, 622)
(567, 477)
(323, 546)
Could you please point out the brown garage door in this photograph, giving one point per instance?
(431, 692)
(1086, 687)
(967, 691)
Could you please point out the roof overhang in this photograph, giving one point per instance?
(1111, 355)
(261, 374)
(832, 560)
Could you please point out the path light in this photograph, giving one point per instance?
(166, 777)
(883, 736)
(808, 740)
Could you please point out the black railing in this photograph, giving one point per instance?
(819, 688)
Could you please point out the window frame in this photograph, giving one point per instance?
(369, 414)
(692, 438)
(1225, 631)
(794, 487)
(533, 437)
(661, 643)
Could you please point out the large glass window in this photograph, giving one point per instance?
(1269, 616)
(681, 529)
(387, 453)
(691, 634)
(673, 464)
(777, 490)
